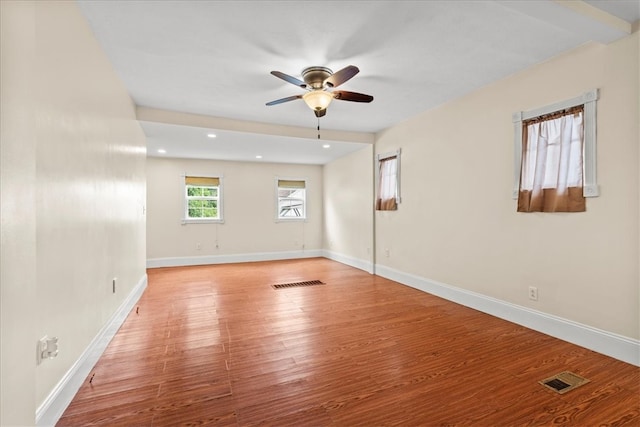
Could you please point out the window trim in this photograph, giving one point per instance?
(185, 209)
(588, 99)
(306, 200)
(383, 156)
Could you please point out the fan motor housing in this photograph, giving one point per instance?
(315, 76)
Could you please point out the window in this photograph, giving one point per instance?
(551, 171)
(203, 201)
(554, 157)
(292, 202)
(388, 195)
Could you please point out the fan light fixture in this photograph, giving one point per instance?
(317, 100)
(316, 81)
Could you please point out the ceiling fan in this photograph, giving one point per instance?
(317, 82)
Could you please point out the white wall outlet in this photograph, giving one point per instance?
(533, 293)
(47, 348)
(198, 246)
(386, 252)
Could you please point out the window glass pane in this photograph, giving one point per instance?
(194, 191)
(291, 202)
(195, 204)
(291, 208)
(209, 192)
(202, 198)
(203, 208)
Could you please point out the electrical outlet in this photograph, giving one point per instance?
(198, 246)
(46, 348)
(386, 252)
(533, 293)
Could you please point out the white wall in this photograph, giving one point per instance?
(348, 209)
(249, 231)
(458, 225)
(17, 213)
(73, 191)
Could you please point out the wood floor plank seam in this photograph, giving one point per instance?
(216, 345)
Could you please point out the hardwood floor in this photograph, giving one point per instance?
(217, 345)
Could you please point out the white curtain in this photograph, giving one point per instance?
(388, 184)
(551, 176)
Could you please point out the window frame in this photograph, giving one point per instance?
(382, 157)
(302, 218)
(588, 99)
(185, 213)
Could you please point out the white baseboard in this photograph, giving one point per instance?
(610, 344)
(50, 411)
(350, 261)
(228, 259)
(607, 343)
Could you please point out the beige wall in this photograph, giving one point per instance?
(73, 191)
(458, 225)
(249, 210)
(348, 204)
(72, 188)
(17, 213)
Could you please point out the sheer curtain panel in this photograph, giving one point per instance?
(386, 199)
(551, 177)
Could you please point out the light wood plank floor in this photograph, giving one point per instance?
(217, 345)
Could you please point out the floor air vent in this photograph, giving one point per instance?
(564, 382)
(296, 284)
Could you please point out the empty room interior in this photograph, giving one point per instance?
(320, 213)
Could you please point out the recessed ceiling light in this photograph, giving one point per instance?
(326, 146)
(258, 156)
(211, 135)
(161, 150)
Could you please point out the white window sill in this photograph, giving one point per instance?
(186, 221)
(298, 219)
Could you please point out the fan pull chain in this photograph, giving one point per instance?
(318, 127)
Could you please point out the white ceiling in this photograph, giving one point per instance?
(629, 10)
(212, 61)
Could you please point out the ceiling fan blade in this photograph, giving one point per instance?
(339, 77)
(320, 113)
(287, 99)
(290, 79)
(352, 96)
